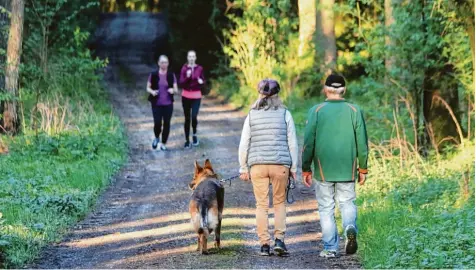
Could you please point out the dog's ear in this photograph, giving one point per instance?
(208, 165)
(198, 169)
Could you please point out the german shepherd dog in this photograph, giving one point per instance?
(206, 205)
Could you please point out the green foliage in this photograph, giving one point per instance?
(71, 144)
(262, 43)
(414, 223)
(50, 181)
(428, 48)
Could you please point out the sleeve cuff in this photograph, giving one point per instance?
(364, 171)
(243, 170)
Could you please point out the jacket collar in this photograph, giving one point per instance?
(336, 100)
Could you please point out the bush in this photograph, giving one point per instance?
(70, 148)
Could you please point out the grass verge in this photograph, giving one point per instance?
(51, 178)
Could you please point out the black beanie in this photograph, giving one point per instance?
(335, 81)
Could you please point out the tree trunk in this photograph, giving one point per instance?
(326, 39)
(11, 119)
(470, 31)
(307, 26)
(389, 20)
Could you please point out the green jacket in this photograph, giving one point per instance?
(335, 140)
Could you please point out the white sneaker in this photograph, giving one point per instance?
(328, 254)
(162, 147)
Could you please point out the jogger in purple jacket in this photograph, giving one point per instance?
(162, 85)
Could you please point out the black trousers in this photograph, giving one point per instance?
(190, 111)
(162, 114)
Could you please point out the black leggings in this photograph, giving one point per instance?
(162, 113)
(193, 106)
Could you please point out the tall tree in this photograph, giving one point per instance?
(325, 34)
(389, 20)
(11, 120)
(307, 25)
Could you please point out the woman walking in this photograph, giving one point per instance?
(161, 86)
(269, 154)
(192, 81)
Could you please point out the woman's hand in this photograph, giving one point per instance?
(155, 92)
(189, 73)
(245, 176)
(171, 91)
(200, 81)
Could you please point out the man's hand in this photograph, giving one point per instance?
(171, 91)
(307, 179)
(245, 176)
(200, 81)
(362, 178)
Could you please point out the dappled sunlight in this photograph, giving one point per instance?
(134, 120)
(231, 219)
(161, 197)
(155, 242)
(153, 256)
(141, 126)
(218, 109)
(176, 238)
(118, 237)
(137, 223)
(308, 237)
(230, 133)
(191, 248)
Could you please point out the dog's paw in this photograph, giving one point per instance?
(204, 252)
(217, 245)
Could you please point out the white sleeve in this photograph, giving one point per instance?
(292, 141)
(244, 146)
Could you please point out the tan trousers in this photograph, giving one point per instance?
(261, 177)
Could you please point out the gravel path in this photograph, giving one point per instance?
(142, 220)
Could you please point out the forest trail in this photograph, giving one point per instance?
(142, 219)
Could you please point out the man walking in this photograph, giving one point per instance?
(335, 142)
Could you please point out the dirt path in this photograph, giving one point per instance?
(142, 220)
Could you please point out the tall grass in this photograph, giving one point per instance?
(71, 146)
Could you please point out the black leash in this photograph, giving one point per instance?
(229, 179)
(289, 193)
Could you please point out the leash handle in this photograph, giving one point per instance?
(289, 195)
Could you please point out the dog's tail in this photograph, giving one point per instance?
(203, 209)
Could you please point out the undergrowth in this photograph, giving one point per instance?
(70, 147)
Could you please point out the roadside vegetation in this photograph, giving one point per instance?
(70, 143)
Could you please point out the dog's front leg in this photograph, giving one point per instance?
(203, 242)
